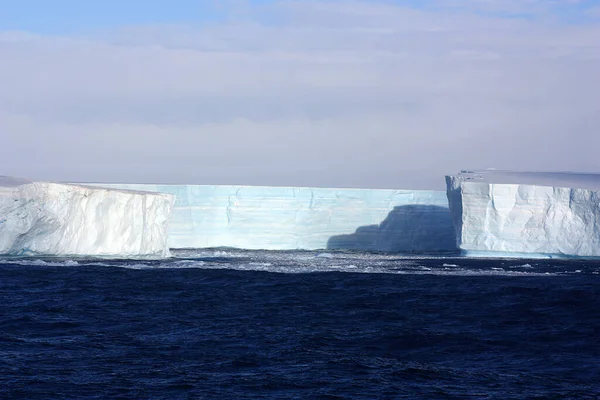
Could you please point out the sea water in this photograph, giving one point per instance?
(234, 324)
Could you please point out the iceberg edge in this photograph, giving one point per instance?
(39, 218)
(523, 220)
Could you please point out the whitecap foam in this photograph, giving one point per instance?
(41, 263)
(325, 255)
(522, 266)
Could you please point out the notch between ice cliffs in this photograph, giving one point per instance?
(305, 218)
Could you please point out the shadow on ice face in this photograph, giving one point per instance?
(407, 228)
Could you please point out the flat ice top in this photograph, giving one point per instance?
(576, 180)
(100, 187)
(12, 182)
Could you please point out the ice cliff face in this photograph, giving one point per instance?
(484, 213)
(43, 218)
(495, 218)
(284, 218)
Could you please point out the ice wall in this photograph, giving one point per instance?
(286, 218)
(496, 218)
(43, 218)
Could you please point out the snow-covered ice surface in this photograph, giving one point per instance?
(534, 214)
(287, 218)
(45, 218)
(555, 179)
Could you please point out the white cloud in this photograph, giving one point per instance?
(319, 93)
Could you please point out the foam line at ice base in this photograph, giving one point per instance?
(288, 218)
(294, 262)
(45, 218)
(522, 255)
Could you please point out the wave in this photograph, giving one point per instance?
(41, 263)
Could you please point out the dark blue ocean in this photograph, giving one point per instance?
(227, 324)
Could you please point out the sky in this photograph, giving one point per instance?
(329, 93)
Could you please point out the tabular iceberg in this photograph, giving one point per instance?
(44, 218)
(288, 218)
(507, 214)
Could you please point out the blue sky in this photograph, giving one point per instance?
(76, 16)
(70, 16)
(387, 94)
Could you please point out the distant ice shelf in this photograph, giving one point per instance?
(55, 219)
(288, 218)
(532, 214)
